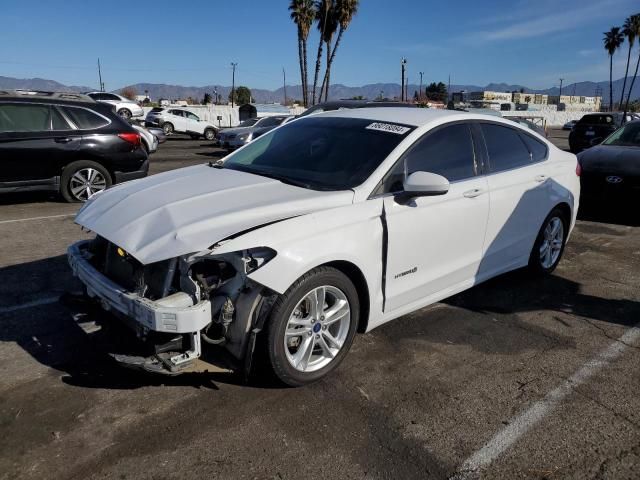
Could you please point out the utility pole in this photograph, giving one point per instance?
(420, 91)
(561, 80)
(448, 88)
(403, 64)
(284, 83)
(100, 76)
(233, 83)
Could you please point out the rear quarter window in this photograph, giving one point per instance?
(538, 149)
(85, 119)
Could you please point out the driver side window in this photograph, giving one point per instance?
(447, 151)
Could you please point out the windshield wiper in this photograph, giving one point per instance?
(288, 181)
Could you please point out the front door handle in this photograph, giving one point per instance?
(473, 193)
(540, 178)
(63, 140)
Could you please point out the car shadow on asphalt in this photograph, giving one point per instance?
(611, 211)
(16, 198)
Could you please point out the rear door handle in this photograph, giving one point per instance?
(63, 140)
(540, 178)
(473, 193)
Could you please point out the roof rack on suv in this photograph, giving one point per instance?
(67, 96)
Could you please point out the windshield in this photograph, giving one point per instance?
(249, 122)
(627, 136)
(321, 153)
(269, 122)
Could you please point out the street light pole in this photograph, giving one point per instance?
(284, 83)
(233, 83)
(420, 91)
(560, 95)
(403, 64)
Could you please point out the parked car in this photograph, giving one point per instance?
(179, 120)
(122, 106)
(611, 170)
(592, 128)
(327, 226)
(569, 125)
(67, 143)
(232, 138)
(149, 140)
(349, 104)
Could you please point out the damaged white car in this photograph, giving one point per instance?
(327, 226)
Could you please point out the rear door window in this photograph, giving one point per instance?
(505, 147)
(537, 149)
(85, 119)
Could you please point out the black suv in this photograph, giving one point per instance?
(65, 142)
(593, 128)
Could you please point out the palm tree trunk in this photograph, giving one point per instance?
(305, 79)
(315, 78)
(633, 80)
(611, 83)
(301, 61)
(626, 74)
(327, 77)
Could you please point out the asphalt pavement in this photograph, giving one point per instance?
(519, 377)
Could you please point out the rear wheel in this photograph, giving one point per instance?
(124, 113)
(167, 128)
(312, 326)
(80, 180)
(549, 245)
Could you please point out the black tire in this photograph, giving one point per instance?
(209, 134)
(536, 263)
(283, 309)
(167, 128)
(67, 180)
(125, 113)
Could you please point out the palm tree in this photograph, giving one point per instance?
(329, 29)
(344, 11)
(302, 13)
(323, 8)
(633, 25)
(612, 41)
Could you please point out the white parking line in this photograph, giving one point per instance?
(34, 303)
(525, 421)
(37, 218)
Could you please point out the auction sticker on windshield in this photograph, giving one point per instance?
(388, 127)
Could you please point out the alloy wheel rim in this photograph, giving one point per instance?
(86, 182)
(317, 329)
(552, 242)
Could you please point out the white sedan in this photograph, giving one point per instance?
(123, 106)
(330, 225)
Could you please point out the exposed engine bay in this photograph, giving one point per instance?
(230, 307)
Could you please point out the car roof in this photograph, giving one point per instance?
(40, 95)
(408, 116)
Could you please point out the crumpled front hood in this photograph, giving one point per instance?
(189, 209)
(611, 159)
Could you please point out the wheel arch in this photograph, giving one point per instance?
(566, 210)
(360, 282)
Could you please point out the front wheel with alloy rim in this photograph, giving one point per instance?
(83, 179)
(209, 134)
(312, 326)
(549, 245)
(124, 113)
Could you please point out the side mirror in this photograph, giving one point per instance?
(424, 184)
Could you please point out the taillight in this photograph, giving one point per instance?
(132, 138)
(578, 169)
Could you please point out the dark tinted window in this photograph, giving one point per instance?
(177, 113)
(448, 152)
(57, 121)
(85, 119)
(22, 117)
(321, 153)
(536, 147)
(270, 122)
(505, 147)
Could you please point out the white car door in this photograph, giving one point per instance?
(178, 120)
(193, 123)
(519, 192)
(435, 243)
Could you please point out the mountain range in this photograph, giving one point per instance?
(337, 91)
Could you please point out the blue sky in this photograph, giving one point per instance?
(192, 42)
